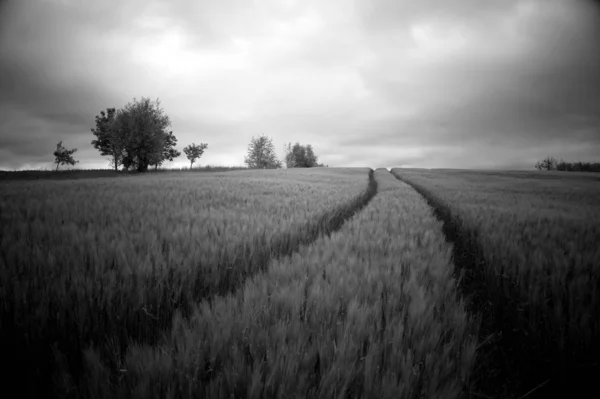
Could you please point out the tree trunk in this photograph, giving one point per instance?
(191, 164)
(116, 163)
(142, 164)
(57, 166)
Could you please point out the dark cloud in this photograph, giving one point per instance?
(543, 91)
(455, 83)
(56, 101)
(49, 91)
(37, 112)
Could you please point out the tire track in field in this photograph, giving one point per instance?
(510, 362)
(235, 274)
(252, 260)
(494, 374)
(261, 256)
(326, 224)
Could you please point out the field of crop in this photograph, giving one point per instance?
(531, 245)
(301, 283)
(107, 262)
(370, 311)
(75, 173)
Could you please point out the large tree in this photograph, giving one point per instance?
(136, 136)
(261, 154)
(62, 156)
(300, 156)
(142, 127)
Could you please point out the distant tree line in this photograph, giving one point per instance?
(137, 137)
(300, 156)
(551, 163)
(261, 155)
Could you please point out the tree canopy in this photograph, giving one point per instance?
(135, 136)
(107, 141)
(168, 152)
(261, 154)
(193, 152)
(62, 156)
(551, 163)
(300, 156)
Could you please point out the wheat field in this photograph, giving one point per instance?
(303, 283)
(110, 260)
(535, 243)
(370, 311)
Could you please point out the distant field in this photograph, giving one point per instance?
(108, 261)
(531, 254)
(75, 173)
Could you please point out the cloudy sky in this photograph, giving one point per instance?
(379, 83)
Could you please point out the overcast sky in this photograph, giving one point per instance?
(379, 83)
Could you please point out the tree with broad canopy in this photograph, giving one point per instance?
(135, 136)
(261, 154)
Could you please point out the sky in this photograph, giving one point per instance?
(482, 84)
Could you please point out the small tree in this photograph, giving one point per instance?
(64, 156)
(300, 156)
(194, 152)
(261, 154)
(549, 163)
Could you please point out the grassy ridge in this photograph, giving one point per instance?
(74, 173)
(108, 261)
(370, 311)
(530, 248)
